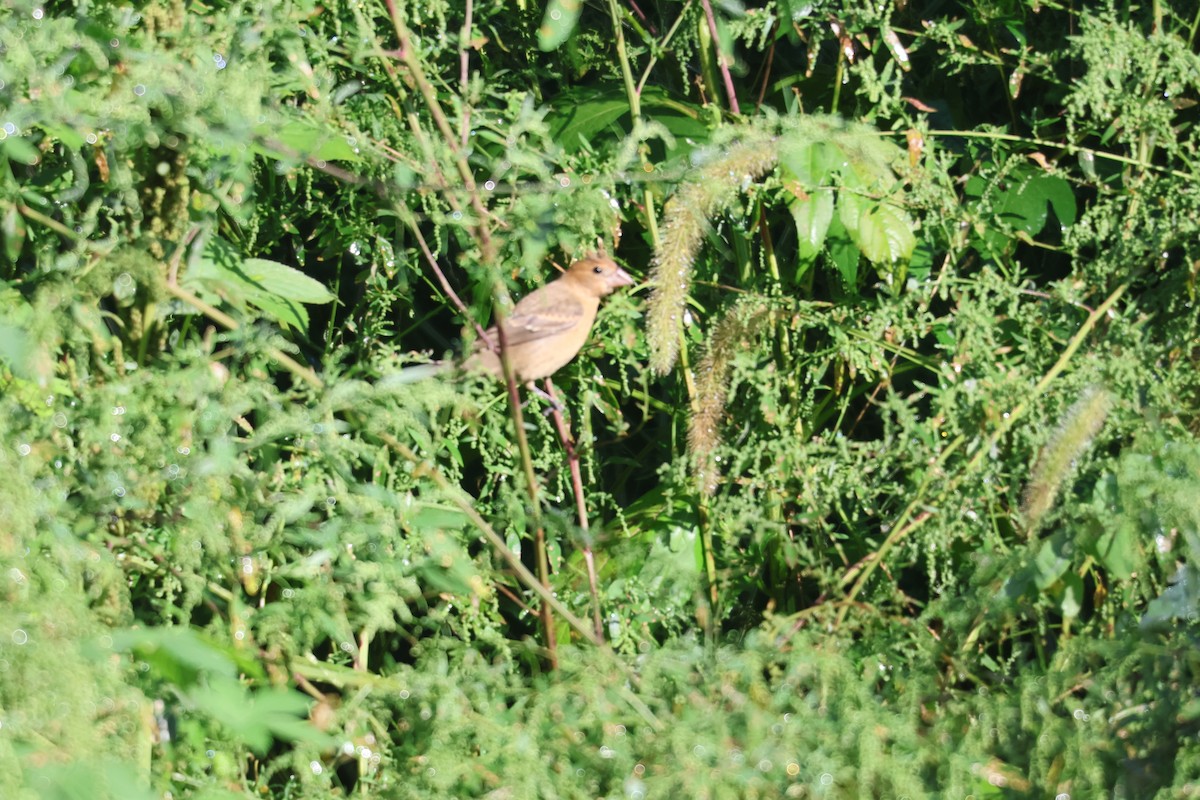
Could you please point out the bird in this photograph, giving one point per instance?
(549, 326)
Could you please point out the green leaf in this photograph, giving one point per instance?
(1117, 550)
(813, 164)
(1061, 198)
(1026, 205)
(306, 139)
(99, 779)
(844, 254)
(19, 149)
(70, 137)
(883, 232)
(259, 718)
(12, 228)
(587, 114)
(1053, 559)
(813, 215)
(276, 289)
(1071, 601)
(180, 656)
(285, 281)
(558, 23)
(582, 121)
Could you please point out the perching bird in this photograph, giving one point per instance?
(548, 326)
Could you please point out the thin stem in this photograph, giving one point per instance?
(722, 63)
(464, 66)
(662, 45)
(408, 55)
(531, 486)
(589, 559)
(1071, 149)
(446, 287)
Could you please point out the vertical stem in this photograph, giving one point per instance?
(635, 109)
(589, 558)
(531, 485)
(722, 64)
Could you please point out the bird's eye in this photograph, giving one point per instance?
(598, 270)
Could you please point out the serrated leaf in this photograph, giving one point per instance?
(885, 234)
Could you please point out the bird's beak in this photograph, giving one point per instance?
(620, 278)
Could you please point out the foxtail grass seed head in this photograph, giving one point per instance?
(1075, 433)
(685, 221)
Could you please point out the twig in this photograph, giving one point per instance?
(408, 55)
(721, 61)
(589, 558)
(464, 64)
(447, 288)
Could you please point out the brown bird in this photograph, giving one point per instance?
(548, 326)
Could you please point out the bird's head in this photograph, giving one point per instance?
(598, 275)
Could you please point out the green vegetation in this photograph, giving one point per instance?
(888, 470)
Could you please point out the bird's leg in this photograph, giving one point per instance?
(564, 435)
(554, 407)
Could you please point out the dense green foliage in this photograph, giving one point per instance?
(890, 466)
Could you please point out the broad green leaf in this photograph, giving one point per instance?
(844, 253)
(276, 289)
(579, 121)
(882, 231)
(813, 215)
(1071, 601)
(558, 23)
(1052, 560)
(307, 139)
(285, 281)
(258, 718)
(1023, 202)
(49, 779)
(19, 149)
(587, 114)
(1061, 198)
(1117, 550)
(179, 655)
(812, 164)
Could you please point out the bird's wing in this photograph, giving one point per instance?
(550, 310)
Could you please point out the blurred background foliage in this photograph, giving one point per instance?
(889, 464)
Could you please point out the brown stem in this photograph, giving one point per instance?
(589, 558)
(447, 288)
(721, 62)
